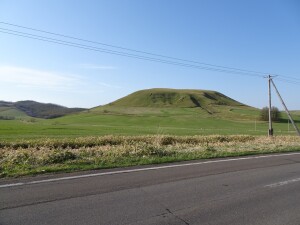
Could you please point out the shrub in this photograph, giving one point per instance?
(275, 114)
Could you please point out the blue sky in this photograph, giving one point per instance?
(254, 35)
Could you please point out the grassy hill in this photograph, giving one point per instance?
(23, 109)
(159, 97)
(173, 111)
(168, 102)
(10, 113)
(153, 111)
(167, 111)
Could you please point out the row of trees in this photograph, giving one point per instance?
(275, 114)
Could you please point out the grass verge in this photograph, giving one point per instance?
(30, 157)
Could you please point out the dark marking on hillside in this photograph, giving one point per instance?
(165, 98)
(195, 101)
(206, 95)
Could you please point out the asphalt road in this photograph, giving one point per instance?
(253, 190)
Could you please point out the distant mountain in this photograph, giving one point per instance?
(35, 109)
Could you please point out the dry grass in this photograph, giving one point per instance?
(50, 155)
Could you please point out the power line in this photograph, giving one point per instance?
(291, 78)
(92, 48)
(56, 41)
(132, 50)
(162, 58)
(288, 81)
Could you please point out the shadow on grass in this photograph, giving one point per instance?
(281, 120)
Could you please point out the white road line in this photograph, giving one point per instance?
(143, 169)
(283, 183)
(11, 185)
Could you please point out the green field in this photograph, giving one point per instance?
(141, 121)
(149, 112)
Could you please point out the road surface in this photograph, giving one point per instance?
(239, 191)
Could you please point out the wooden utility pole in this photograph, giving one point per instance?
(270, 132)
(285, 108)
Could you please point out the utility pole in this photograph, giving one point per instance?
(285, 108)
(270, 132)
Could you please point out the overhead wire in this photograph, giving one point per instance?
(290, 78)
(129, 49)
(87, 47)
(162, 58)
(287, 81)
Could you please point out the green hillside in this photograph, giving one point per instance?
(159, 97)
(23, 109)
(167, 102)
(10, 112)
(172, 111)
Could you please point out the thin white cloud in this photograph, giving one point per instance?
(96, 67)
(33, 78)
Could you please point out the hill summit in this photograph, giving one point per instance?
(183, 98)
